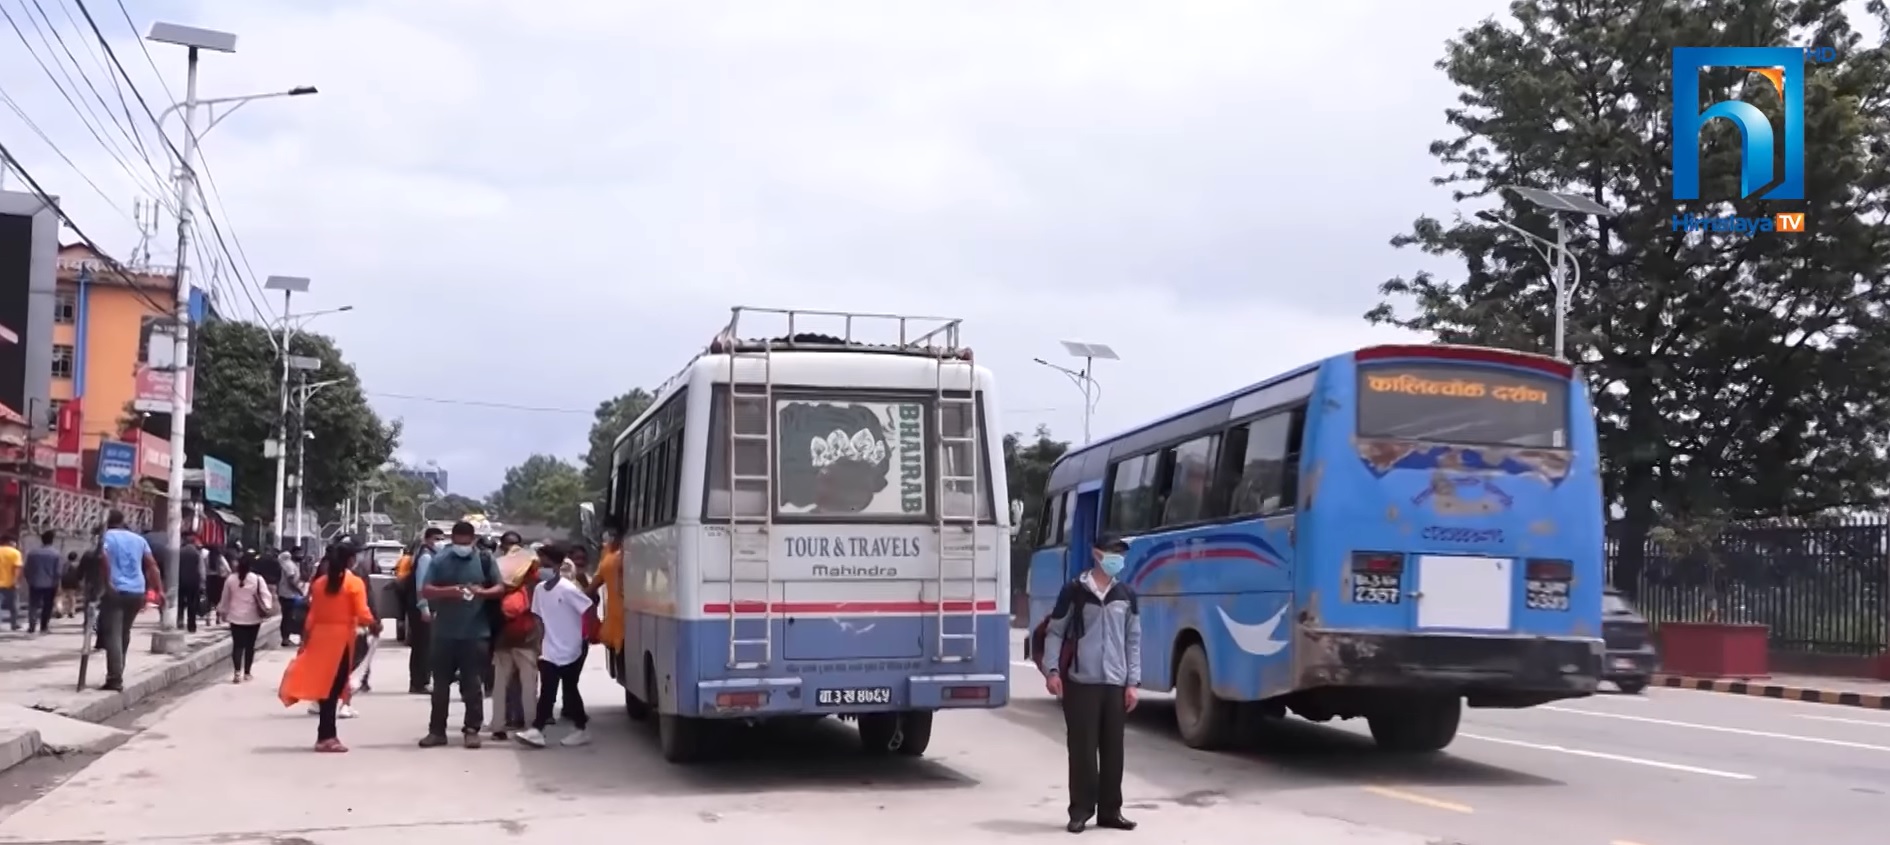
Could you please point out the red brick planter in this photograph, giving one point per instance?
(1713, 650)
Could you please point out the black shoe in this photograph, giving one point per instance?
(419, 691)
(432, 741)
(1116, 823)
(112, 686)
(1076, 825)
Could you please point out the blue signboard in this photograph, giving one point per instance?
(116, 463)
(216, 481)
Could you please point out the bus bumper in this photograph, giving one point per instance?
(753, 698)
(1491, 671)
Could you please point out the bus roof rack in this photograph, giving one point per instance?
(801, 330)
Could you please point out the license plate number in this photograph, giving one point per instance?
(1376, 588)
(1545, 595)
(854, 695)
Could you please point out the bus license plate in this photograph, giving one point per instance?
(1545, 595)
(1376, 588)
(856, 695)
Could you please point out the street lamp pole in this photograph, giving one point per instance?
(302, 436)
(1565, 272)
(168, 639)
(1084, 379)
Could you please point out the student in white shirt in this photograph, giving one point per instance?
(560, 606)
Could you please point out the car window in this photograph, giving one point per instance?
(1614, 605)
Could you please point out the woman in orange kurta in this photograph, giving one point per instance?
(337, 611)
(609, 583)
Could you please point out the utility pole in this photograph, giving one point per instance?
(168, 639)
(301, 450)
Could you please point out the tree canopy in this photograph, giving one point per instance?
(236, 409)
(1734, 375)
(544, 489)
(612, 417)
(1027, 471)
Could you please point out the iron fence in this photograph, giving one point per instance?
(1821, 586)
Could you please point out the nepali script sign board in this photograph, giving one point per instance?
(116, 463)
(218, 481)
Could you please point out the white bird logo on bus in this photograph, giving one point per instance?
(1256, 639)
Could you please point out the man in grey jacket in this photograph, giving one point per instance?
(1096, 681)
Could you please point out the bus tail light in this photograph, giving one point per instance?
(1541, 569)
(1378, 563)
(740, 700)
(967, 693)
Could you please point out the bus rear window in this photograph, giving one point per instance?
(1453, 403)
(847, 457)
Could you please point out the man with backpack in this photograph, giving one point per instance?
(419, 622)
(455, 584)
(1091, 657)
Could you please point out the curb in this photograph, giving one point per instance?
(1870, 701)
(17, 747)
(177, 671)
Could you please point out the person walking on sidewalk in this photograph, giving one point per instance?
(456, 582)
(246, 601)
(561, 607)
(291, 594)
(337, 614)
(43, 567)
(1100, 616)
(11, 565)
(130, 575)
(419, 620)
(190, 577)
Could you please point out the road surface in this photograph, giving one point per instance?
(230, 766)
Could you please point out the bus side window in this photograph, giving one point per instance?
(1191, 467)
(1048, 521)
(1132, 493)
(1263, 476)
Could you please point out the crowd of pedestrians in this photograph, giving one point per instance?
(485, 618)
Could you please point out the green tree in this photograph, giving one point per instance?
(544, 489)
(236, 407)
(1027, 470)
(613, 416)
(1732, 374)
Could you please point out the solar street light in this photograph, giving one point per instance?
(1565, 273)
(1084, 380)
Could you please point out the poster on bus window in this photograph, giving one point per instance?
(847, 458)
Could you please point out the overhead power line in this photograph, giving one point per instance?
(479, 403)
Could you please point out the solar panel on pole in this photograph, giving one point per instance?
(1558, 201)
(1090, 350)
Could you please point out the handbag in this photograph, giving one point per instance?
(267, 608)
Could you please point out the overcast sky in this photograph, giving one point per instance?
(544, 204)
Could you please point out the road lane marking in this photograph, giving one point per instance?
(1618, 758)
(1846, 721)
(1815, 740)
(1624, 842)
(1421, 800)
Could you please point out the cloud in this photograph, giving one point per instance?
(548, 204)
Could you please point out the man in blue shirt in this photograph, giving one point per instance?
(128, 572)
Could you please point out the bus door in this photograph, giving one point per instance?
(1083, 532)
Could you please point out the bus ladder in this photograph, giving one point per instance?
(748, 533)
(956, 531)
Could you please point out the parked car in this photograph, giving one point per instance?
(1631, 656)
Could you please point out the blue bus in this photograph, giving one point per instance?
(1388, 533)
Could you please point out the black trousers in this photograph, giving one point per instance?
(189, 602)
(243, 647)
(1094, 719)
(39, 607)
(419, 651)
(331, 706)
(467, 659)
(552, 677)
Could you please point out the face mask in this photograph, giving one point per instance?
(547, 574)
(463, 548)
(1110, 564)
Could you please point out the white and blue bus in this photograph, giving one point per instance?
(1389, 533)
(847, 561)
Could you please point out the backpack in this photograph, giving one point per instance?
(1066, 605)
(519, 623)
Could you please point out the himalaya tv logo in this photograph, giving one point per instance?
(1760, 157)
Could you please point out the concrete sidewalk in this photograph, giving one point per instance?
(1846, 692)
(41, 707)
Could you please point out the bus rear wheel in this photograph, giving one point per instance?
(1417, 724)
(1205, 719)
(906, 733)
(678, 736)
